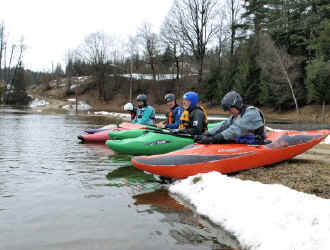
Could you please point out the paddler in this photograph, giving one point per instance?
(174, 114)
(245, 125)
(145, 114)
(193, 120)
(130, 109)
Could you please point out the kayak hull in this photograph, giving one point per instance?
(149, 144)
(103, 135)
(228, 158)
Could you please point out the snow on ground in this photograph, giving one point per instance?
(81, 106)
(38, 102)
(326, 141)
(126, 117)
(262, 217)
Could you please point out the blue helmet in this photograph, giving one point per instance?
(192, 97)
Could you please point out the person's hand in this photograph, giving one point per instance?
(160, 125)
(197, 138)
(205, 139)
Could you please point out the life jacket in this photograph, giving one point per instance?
(133, 114)
(140, 113)
(170, 115)
(254, 136)
(185, 119)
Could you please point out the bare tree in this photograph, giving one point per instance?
(233, 8)
(193, 22)
(96, 51)
(172, 40)
(222, 36)
(2, 46)
(133, 51)
(278, 64)
(150, 43)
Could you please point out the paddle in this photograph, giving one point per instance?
(168, 132)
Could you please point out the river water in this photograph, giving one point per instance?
(56, 193)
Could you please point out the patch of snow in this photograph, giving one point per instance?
(38, 102)
(260, 216)
(71, 100)
(326, 140)
(73, 86)
(81, 106)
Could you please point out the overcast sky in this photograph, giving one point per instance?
(50, 28)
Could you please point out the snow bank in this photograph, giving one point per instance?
(262, 217)
(38, 102)
(81, 106)
(327, 140)
(123, 116)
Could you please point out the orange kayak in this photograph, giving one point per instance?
(102, 136)
(228, 158)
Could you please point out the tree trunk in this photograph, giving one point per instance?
(285, 72)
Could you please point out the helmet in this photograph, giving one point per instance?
(142, 98)
(128, 107)
(169, 97)
(232, 99)
(192, 97)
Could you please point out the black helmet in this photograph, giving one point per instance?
(142, 98)
(169, 97)
(232, 99)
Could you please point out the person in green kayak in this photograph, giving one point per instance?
(145, 114)
(245, 125)
(193, 120)
(174, 114)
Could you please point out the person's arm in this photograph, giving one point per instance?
(251, 121)
(177, 115)
(221, 127)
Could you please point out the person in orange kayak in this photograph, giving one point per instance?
(246, 124)
(130, 109)
(174, 114)
(193, 120)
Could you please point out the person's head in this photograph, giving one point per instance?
(170, 100)
(141, 100)
(190, 100)
(232, 102)
(129, 107)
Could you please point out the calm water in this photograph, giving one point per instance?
(58, 194)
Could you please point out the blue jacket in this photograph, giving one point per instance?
(175, 115)
(145, 116)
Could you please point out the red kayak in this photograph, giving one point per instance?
(102, 136)
(228, 158)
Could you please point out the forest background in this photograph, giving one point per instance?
(275, 53)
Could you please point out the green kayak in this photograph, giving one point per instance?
(149, 144)
(133, 133)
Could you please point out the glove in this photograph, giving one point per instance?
(218, 139)
(204, 139)
(197, 138)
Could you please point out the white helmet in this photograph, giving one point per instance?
(128, 107)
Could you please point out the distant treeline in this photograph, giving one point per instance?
(274, 53)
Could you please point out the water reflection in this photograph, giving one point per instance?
(187, 226)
